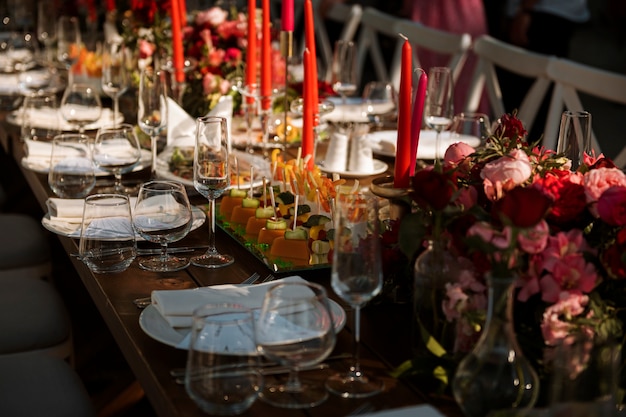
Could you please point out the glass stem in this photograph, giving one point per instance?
(212, 249)
(293, 382)
(356, 367)
(438, 151)
(118, 183)
(116, 109)
(163, 255)
(153, 148)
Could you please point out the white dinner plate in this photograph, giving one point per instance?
(384, 142)
(73, 229)
(42, 165)
(379, 168)
(155, 326)
(49, 119)
(261, 168)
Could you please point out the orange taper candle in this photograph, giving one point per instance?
(177, 42)
(266, 62)
(403, 144)
(309, 41)
(251, 58)
(307, 110)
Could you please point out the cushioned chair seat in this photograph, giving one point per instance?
(24, 248)
(39, 385)
(33, 317)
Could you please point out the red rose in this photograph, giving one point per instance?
(523, 206)
(432, 189)
(510, 127)
(613, 258)
(567, 194)
(612, 206)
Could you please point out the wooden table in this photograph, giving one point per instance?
(385, 327)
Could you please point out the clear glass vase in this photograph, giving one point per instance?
(495, 375)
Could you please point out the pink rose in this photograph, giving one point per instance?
(612, 206)
(209, 83)
(457, 152)
(597, 181)
(224, 86)
(553, 328)
(510, 171)
(216, 57)
(572, 274)
(454, 302)
(535, 239)
(146, 49)
(213, 16)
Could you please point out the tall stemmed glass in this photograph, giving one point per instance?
(295, 328)
(81, 105)
(152, 114)
(211, 177)
(115, 76)
(68, 42)
(47, 30)
(344, 69)
(162, 215)
(439, 109)
(357, 278)
(117, 150)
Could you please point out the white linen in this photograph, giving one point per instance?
(361, 158)
(177, 306)
(51, 119)
(69, 210)
(336, 158)
(423, 410)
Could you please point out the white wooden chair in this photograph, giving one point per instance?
(493, 54)
(457, 46)
(571, 78)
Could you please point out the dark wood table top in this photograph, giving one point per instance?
(385, 327)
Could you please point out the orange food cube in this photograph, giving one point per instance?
(227, 205)
(290, 248)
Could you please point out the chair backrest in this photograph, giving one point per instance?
(374, 22)
(457, 46)
(493, 54)
(571, 78)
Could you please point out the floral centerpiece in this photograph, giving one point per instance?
(514, 207)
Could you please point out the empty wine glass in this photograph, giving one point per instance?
(163, 215)
(295, 328)
(40, 119)
(47, 30)
(438, 109)
(115, 75)
(117, 150)
(71, 173)
(211, 177)
(357, 278)
(152, 114)
(380, 101)
(23, 52)
(81, 105)
(344, 69)
(470, 127)
(68, 43)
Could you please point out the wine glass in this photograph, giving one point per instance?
(162, 215)
(466, 127)
(81, 105)
(117, 150)
(295, 328)
(211, 176)
(438, 109)
(47, 29)
(71, 173)
(356, 277)
(115, 75)
(380, 101)
(344, 69)
(152, 114)
(40, 117)
(23, 52)
(68, 42)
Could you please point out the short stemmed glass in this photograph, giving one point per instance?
(117, 150)
(439, 109)
(152, 114)
(357, 278)
(81, 105)
(344, 69)
(115, 75)
(68, 42)
(211, 177)
(295, 328)
(162, 215)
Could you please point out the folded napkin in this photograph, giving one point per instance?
(336, 159)
(423, 410)
(361, 157)
(177, 306)
(10, 83)
(181, 128)
(47, 118)
(69, 210)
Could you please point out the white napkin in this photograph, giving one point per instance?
(423, 410)
(361, 157)
(177, 306)
(51, 119)
(336, 159)
(69, 210)
(181, 128)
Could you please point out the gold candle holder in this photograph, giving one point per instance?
(398, 205)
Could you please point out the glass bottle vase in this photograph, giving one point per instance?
(495, 375)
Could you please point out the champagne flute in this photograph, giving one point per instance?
(115, 76)
(152, 114)
(117, 150)
(47, 30)
(344, 69)
(162, 215)
(211, 177)
(68, 42)
(438, 109)
(295, 328)
(357, 278)
(81, 105)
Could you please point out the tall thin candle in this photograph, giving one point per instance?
(110, 5)
(182, 4)
(307, 110)
(403, 145)
(251, 58)
(287, 16)
(418, 114)
(266, 62)
(309, 42)
(177, 43)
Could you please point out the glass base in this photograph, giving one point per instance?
(157, 264)
(212, 260)
(354, 385)
(309, 395)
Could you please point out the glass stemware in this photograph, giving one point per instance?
(344, 69)
(117, 150)
(438, 109)
(115, 75)
(68, 42)
(72, 172)
(470, 126)
(152, 114)
(295, 328)
(23, 51)
(163, 215)
(380, 101)
(81, 105)
(35, 109)
(211, 177)
(47, 30)
(357, 278)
